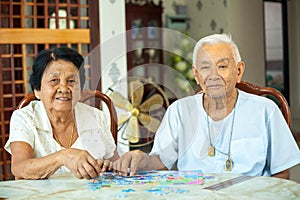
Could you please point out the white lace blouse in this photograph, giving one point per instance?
(31, 125)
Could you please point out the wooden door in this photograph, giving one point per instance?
(144, 39)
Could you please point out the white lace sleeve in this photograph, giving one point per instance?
(94, 131)
(21, 129)
(107, 137)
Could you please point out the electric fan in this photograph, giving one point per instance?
(142, 110)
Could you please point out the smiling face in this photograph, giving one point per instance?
(216, 70)
(60, 86)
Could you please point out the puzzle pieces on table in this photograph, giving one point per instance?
(151, 177)
(160, 182)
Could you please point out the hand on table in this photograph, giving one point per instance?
(106, 165)
(130, 162)
(81, 163)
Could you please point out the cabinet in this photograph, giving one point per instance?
(144, 39)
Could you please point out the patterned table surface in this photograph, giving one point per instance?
(215, 186)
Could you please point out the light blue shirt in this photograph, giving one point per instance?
(261, 144)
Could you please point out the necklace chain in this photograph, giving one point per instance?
(71, 137)
(209, 134)
(211, 150)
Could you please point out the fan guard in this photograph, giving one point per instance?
(142, 109)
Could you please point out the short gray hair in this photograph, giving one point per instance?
(217, 39)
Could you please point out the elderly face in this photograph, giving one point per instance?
(216, 70)
(60, 86)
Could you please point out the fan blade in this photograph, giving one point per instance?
(136, 92)
(120, 101)
(132, 130)
(123, 118)
(149, 122)
(154, 102)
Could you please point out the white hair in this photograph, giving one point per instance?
(217, 39)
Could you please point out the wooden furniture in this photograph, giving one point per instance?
(92, 98)
(144, 38)
(267, 91)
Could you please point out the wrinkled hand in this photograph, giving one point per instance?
(130, 162)
(106, 165)
(81, 163)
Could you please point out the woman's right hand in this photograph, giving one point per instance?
(81, 163)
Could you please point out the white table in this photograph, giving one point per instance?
(216, 186)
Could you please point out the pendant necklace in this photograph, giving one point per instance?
(228, 165)
(71, 137)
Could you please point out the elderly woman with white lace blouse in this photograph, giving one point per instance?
(57, 134)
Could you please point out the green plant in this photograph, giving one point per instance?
(181, 61)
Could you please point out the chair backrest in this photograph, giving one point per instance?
(85, 96)
(267, 91)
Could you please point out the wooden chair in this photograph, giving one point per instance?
(87, 95)
(265, 91)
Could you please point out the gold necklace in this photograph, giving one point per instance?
(228, 165)
(71, 137)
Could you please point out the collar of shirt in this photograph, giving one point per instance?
(85, 117)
